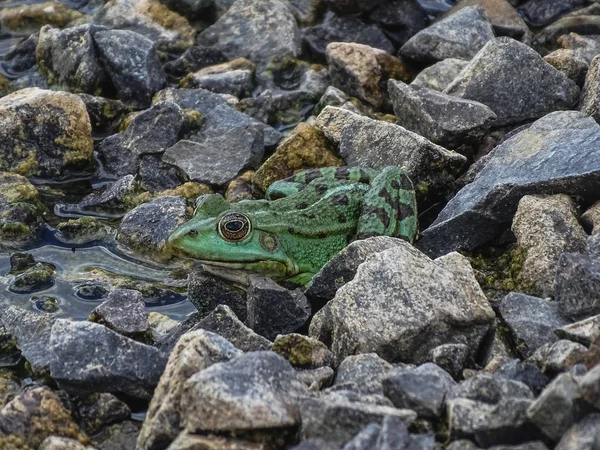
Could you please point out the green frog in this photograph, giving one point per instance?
(303, 222)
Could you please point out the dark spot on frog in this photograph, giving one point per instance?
(350, 238)
(405, 183)
(405, 211)
(366, 235)
(320, 189)
(380, 213)
(364, 176)
(291, 230)
(385, 194)
(395, 184)
(342, 173)
(321, 235)
(340, 199)
(312, 175)
(302, 205)
(342, 218)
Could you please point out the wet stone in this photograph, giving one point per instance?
(132, 64)
(274, 310)
(123, 311)
(20, 262)
(439, 75)
(460, 35)
(100, 409)
(585, 331)
(577, 286)
(206, 292)
(62, 443)
(37, 278)
(112, 198)
(451, 357)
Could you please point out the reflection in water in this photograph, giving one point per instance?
(92, 266)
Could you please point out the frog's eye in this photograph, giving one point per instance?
(234, 227)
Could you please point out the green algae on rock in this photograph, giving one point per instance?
(45, 134)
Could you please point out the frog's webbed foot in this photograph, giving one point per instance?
(389, 207)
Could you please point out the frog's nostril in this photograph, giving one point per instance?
(192, 233)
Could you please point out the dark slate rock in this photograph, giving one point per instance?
(385, 310)
(151, 131)
(117, 364)
(104, 113)
(70, 58)
(440, 75)
(274, 310)
(147, 227)
(100, 409)
(577, 285)
(155, 175)
(589, 384)
(337, 420)
(123, 311)
(21, 57)
(238, 83)
(206, 292)
(531, 321)
(218, 159)
(563, 159)
(193, 59)
(37, 278)
(400, 19)
(258, 390)
(585, 331)
(111, 198)
(540, 12)
(342, 267)
(460, 35)
(32, 332)
(258, 30)
(451, 357)
(539, 87)
(581, 436)
(352, 6)
(132, 63)
(451, 122)
(345, 29)
(524, 372)
(558, 407)
(361, 369)
(223, 322)
(422, 389)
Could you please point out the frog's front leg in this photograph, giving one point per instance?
(389, 207)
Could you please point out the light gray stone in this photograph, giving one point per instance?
(585, 331)
(440, 75)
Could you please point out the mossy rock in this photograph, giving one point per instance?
(240, 188)
(305, 148)
(82, 230)
(36, 278)
(30, 18)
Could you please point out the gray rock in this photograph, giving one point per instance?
(150, 132)
(194, 352)
(451, 357)
(45, 134)
(451, 122)
(563, 159)
(123, 311)
(190, 441)
(199, 100)
(206, 292)
(274, 310)
(426, 313)
(460, 35)
(131, 62)
(422, 389)
(154, 175)
(394, 434)
(377, 144)
(557, 407)
(468, 445)
(218, 160)
(345, 29)
(32, 332)
(117, 364)
(337, 420)
(256, 30)
(440, 75)
(569, 62)
(257, 390)
(582, 435)
(591, 218)
(234, 82)
(70, 59)
(366, 439)
(21, 57)
(593, 246)
(524, 372)
(37, 278)
(314, 444)
(147, 227)
(111, 198)
(562, 355)
(342, 267)
(400, 19)
(539, 12)
(361, 369)
(531, 321)
(489, 388)
(546, 226)
(193, 59)
(590, 94)
(586, 47)
(538, 87)
(577, 286)
(589, 384)
(584, 332)
(98, 410)
(104, 113)
(303, 352)
(32, 79)
(317, 379)
(504, 18)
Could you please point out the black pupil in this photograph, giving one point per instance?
(234, 225)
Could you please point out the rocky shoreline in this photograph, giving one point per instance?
(115, 116)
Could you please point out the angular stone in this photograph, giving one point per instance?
(194, 352)
(450, 357)
(585, 331)
(460, 35)
(193, 59)
(440, 75)
(255, 29)
(563, 355)
(111, 199)
(591, 218)
(218, 160)
(155, 175)
(302, 351)
(132, 64)
(577, 286)
(21, 58)
(190, 441)
(590, 94)
(123, 311)
(45, 134)
(589, 385)
(531, 321)
(569, 62)
(105, 113)
(254, 390)
(363, 368)
(546, 226)
(451, 122)
(206, 292)
(400, 19)
(524, 372)
(540, 12)
(99, 410)
(274, 310)
(422, 389)
(358, 319)
(581, 436)
(585, 47)
(502, 15)
(555, 154)
(235, 82)
(489, 388)
(147, 227)
(593, 246)
(118, 364)
(539, 87)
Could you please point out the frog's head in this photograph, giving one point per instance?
(222, 237)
